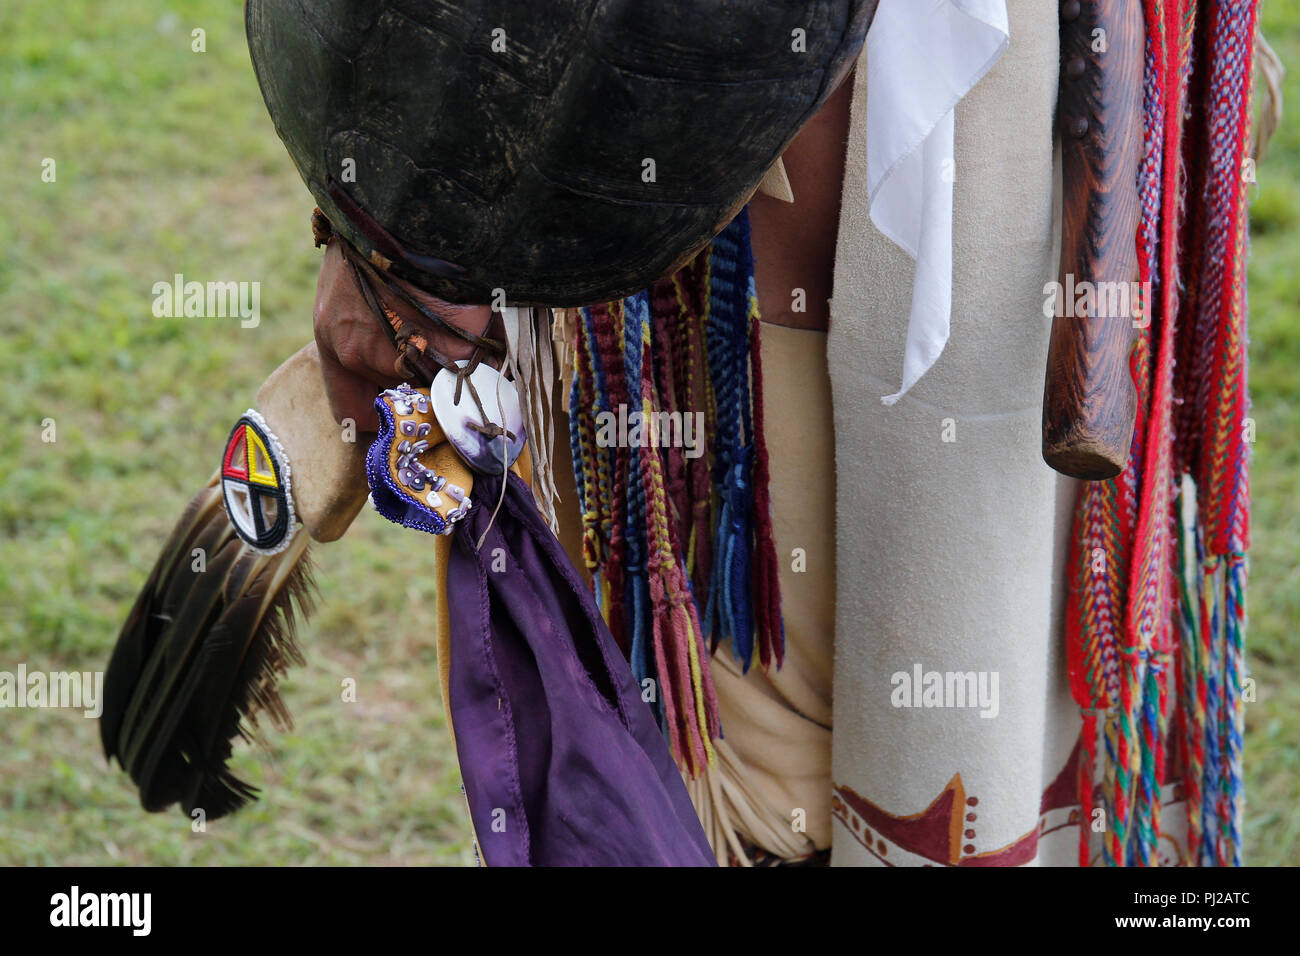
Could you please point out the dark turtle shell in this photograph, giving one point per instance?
(564, 151)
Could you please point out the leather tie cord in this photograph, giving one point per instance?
(416, 358)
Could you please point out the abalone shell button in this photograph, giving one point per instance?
(485, 455)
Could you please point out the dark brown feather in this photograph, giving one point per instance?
(199, 657)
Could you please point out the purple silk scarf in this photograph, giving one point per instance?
(562, 760)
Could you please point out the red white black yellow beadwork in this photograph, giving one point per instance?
(255, 485)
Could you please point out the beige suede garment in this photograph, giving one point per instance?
(772, 784)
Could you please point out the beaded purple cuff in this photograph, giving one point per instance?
(415, 476)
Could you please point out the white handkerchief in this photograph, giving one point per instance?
(923, 56)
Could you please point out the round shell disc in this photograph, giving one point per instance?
(461, 421)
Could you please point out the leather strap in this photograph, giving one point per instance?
(417, 360)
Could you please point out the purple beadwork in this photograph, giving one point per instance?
(411, 496)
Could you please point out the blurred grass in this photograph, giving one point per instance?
(166, 163)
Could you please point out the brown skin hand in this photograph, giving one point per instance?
(356, 356)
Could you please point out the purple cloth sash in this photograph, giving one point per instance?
(562, 760)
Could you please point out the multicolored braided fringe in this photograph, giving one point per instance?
(1158, 562)
(677, 527)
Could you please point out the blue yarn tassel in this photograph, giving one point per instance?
(636, 314)
(729, 615)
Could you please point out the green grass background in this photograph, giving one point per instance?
(167, 162)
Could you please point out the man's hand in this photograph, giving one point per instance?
(356, 356)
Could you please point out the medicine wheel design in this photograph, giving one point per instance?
(255, 485)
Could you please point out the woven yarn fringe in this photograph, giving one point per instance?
(666, 426)
(1156, 612)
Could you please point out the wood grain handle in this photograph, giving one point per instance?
(1089, 401)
